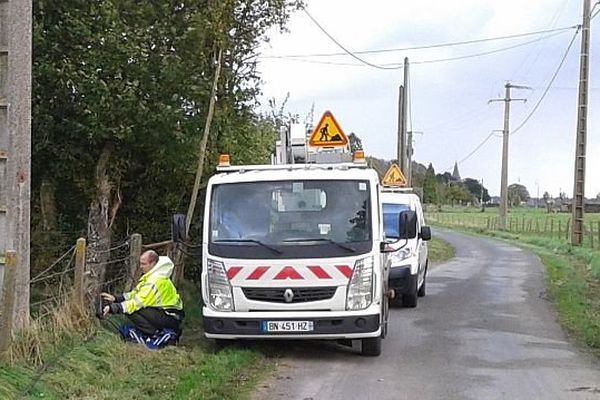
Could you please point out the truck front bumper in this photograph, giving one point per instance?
(325, 327)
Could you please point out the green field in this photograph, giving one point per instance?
(523, 221)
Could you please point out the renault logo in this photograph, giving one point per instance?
(288, 295)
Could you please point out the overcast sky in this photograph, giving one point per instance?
(449, 99)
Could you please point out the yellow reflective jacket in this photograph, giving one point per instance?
(154, 289)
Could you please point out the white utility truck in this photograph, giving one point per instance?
(296, 251)
(409, 262)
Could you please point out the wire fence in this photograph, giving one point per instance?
(549, 227)
(51, 286)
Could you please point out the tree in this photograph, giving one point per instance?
(355, 142)
(517, 194)
(457, 193)
(430, 186)
(120, 94)
(475, 188)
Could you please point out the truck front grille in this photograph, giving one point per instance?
(300, 295)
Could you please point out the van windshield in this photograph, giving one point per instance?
(391, 214)
(286, 219)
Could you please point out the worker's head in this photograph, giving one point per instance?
(148, 260)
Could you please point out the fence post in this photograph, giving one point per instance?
(551, 228)
(8, 309)
(591, 236)
(135, 251)
(559, 229)
(79, 289)
(567, 229)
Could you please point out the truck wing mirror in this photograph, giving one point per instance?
(407, 224)
(425, 233)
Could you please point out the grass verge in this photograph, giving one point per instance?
(439, 250)
(101, 366)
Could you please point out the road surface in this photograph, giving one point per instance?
(485, 330)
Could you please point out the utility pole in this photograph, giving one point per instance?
(579, 179)
(409, 153)
(15, 112)
(505, 133)
(401, 150)
(402, 122)
(481, 197)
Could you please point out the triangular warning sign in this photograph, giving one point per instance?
(394, 177)
(328, 133)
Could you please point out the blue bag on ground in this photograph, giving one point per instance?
(163, 338)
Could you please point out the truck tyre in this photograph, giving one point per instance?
(422, 290)
(410, 299)
(371, 347)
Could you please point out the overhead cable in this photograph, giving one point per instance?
(345, 49)
(398, 65)
(423, 47)
(562, 61)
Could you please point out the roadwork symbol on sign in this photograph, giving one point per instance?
(394, 177)
(328, 133)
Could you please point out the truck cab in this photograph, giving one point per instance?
(295, 251)
(409, 260)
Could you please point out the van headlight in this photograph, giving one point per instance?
(360, 289)
(401, 255)
(220, 295)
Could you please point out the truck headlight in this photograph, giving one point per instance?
(219, 290)
(360, 288)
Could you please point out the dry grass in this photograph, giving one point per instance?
(36, 342)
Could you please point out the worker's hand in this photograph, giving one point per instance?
(105, 311)
(108, 297)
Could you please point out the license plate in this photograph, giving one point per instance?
(287, 326)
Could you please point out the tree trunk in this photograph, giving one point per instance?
(103, 208)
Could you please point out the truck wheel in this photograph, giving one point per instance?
(371, 347)
(410, 299)
(421, 291)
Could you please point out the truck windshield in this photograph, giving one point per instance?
(306, 218)
(391, 213)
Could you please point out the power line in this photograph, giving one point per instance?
(474, 150)
(422, 47)
(343, 48)
(394, 66)
(533, 110)
(562, 61)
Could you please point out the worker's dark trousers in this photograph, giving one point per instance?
(151, 320)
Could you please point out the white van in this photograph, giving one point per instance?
(409, 262)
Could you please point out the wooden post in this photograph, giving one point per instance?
(8, 304)
(591, 236)
(559, 229)
(79, 289)
(567, 229)
(135, 251)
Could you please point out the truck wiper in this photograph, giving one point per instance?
(273, 249)
(343, 246)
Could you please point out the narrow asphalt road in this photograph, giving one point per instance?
(485, 330)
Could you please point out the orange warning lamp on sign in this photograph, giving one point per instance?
(328, 133)
(394, 177)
